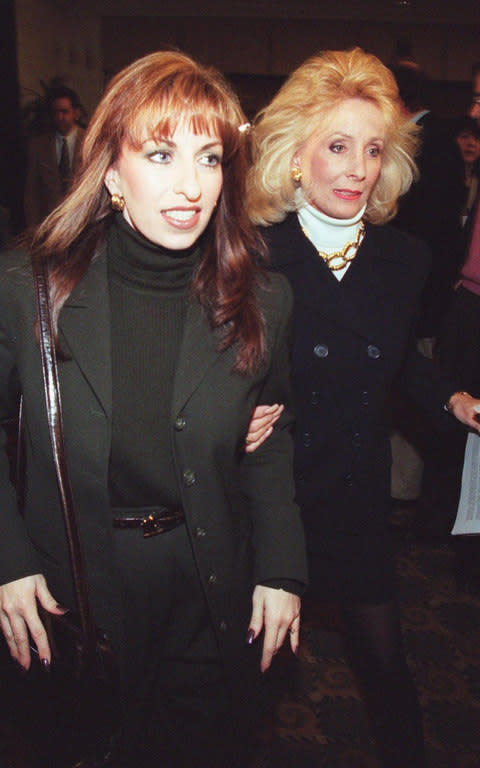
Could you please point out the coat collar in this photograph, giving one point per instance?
(198, 353)
(84, 326)
(356, 301)
(85, 331)
(286, 242)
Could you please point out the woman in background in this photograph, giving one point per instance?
(333, 156)
(467, 137)
(170, 334)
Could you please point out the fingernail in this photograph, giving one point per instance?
(45, 665)
(20, 668)
(62, 608)
(250, 636)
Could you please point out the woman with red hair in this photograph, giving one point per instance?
(168, 334)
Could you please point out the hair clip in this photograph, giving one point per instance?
(245, 128)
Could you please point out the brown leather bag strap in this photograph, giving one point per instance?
(55, 425)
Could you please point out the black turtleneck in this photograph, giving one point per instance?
(149, 291)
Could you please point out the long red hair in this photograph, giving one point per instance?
(156, 94)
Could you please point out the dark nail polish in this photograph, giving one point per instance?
(45, 665)
(250, 637)
(20, 668)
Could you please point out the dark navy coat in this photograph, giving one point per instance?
(353, 340)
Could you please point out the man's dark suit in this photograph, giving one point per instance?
(431, 211)
(43, 186)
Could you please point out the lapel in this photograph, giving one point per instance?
(50, 152)
(84, 326)
(198, 353)
(354, 303)
(77, 149)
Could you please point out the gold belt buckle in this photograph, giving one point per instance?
(151, 525)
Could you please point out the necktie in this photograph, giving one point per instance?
(64, 167)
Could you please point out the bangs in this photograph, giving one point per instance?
(163, 114)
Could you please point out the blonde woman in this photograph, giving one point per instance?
(333, 156)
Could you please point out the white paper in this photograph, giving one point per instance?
(468, 513)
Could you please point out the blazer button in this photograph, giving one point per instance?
(356, 440)
(307, 440)
(315, 400)
(321, 350)
(180, 423)
(373, 352)
(200, 533)
(222, 626)
(212, 579)
(348, 480)
(189, 477)
(364, 397)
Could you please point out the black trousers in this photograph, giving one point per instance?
(178, 707)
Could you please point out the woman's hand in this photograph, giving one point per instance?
(466, 409)
(19, 617)
(261, 425)
(277, 612)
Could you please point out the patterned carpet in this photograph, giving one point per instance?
(321, 720)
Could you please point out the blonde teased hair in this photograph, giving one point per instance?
(299, 110)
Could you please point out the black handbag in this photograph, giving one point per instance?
(71, 711)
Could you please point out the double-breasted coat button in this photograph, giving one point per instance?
(180, 423)
(373, 352)
(200, 532)
(307, 439)
(189, 477)
(212, 579)
(348, 480)
(315, 399)
(364, 397)
(320, 350)
(222, 626)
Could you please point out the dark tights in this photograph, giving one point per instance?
(378, 658)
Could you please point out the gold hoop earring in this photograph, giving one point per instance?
(296, 174)
(117, 202)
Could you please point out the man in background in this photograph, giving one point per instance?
(53, 157)
(431, 211)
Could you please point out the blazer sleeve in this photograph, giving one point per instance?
(267, 473)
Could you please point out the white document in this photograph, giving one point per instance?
(468, 513)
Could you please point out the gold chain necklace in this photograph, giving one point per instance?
(340, 259)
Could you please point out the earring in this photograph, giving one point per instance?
(117, 202)
(296, 174)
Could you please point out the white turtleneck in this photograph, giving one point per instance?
(327, 234)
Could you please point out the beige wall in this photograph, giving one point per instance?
(276, 46)
(84, 40)
(56, 38)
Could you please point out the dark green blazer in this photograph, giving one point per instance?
(243, 523)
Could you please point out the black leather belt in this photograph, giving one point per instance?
(152, 520)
